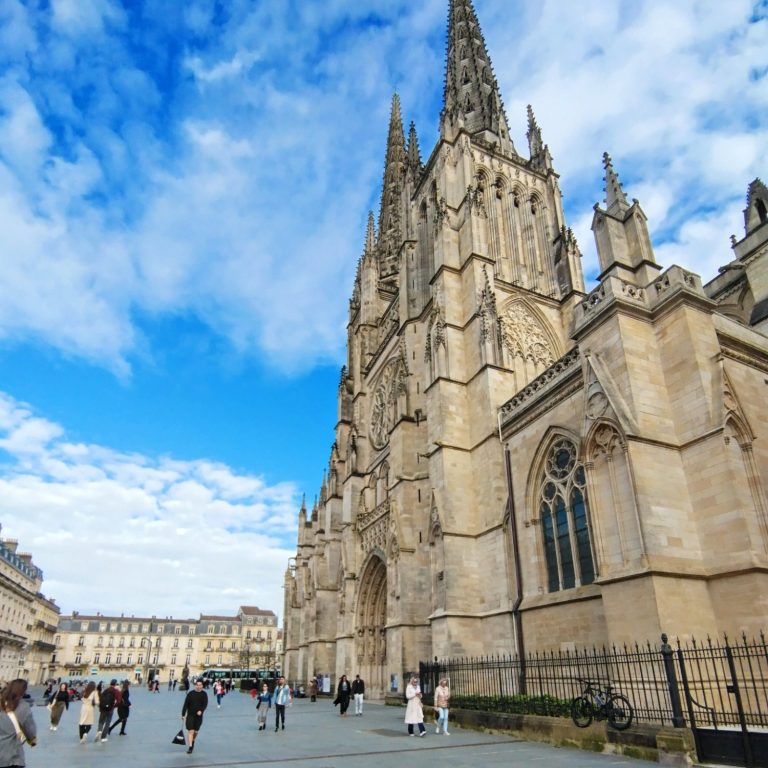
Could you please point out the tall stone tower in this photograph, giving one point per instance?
(461, 297)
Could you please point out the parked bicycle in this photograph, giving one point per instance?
(598, 703)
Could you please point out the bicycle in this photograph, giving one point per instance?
(597, 703)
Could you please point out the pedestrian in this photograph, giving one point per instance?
(109, 699)
(17, 725)
(59, 702)
(313, 690)
(282, 698)
(123, 708)
(174, 683)
(195, 703)
(442, 699)
(88, 708)
(358, 691)
(343, 695)
(170, 683)
(263, 705)
(414, 712)
(218, 689)
(48, 692)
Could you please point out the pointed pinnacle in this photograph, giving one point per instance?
(370, 235)
(414, 154)
(615, 198)
(303, 509)
(532, 125)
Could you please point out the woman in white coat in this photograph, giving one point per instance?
(89, 706)
(414, 712)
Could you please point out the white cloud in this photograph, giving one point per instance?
(235, 188)
(194, 535)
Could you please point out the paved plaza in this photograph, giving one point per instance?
(315, 736)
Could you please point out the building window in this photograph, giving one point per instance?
(234, 645)
(248, 635)
(78, 658)
(189, 643)
(81, 641)
(140, 659)
(119, 659)
(207, 660)
(563, 514)
(100, 642)
(108, 658)
(121, 642)
(173, 658)
(177, 629)
(269, 635)
(219, 661)
(191, 630)
(176, 642)
(210, 629)
(96, 658)
(188, 659)
(83, 626)
(221, 645)
(132, 642)
(111, 642)
(129, 660)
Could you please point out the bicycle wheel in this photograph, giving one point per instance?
(619, 712)
(582, 711)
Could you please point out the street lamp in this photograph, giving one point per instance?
(148, 641)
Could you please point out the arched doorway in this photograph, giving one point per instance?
(370, 627)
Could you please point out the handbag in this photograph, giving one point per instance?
(179, 738)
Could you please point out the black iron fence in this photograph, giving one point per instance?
(716, 683)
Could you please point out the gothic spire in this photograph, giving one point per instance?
(615, 199)
(414, 154)
(393, 166)
(370, 236)
(535, 143)
(471, 97)
(303, 510)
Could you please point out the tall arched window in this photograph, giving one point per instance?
(563, 514)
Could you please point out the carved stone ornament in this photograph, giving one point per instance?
(606, 440)
(384, 405)
(524, 337)
(597, 405)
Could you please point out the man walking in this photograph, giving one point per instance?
(282, 697)
(358, 691)
(195, 703)
(109, 699)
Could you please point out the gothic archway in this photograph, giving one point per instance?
(370, 626)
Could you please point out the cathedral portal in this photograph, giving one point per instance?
(370, 625)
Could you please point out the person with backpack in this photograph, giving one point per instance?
(109, 699)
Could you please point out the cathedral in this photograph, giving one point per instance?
(519, 464)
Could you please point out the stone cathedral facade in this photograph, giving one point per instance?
(519, 464)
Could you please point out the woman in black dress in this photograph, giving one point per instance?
(123, 708)
(343, 694)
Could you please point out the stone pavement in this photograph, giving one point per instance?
(315, 737)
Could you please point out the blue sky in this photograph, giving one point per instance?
(183, 195)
